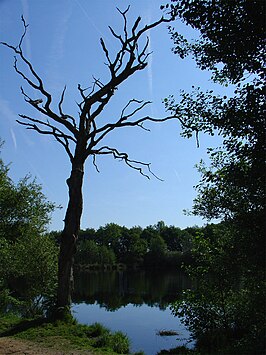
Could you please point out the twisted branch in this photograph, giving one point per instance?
(134, 164)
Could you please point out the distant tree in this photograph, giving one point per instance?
(106, 255)
(83, 136)
(148, 233)
(157, 251)
(159, 226)
(135, 247)
(88, 234)
(173, 238)
(87, 252)
(110, 235)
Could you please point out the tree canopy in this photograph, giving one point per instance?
(230, 43)
(234, 183)
(232, 36)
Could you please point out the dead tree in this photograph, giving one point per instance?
(82, 136)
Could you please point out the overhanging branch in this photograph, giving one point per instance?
(134, 164)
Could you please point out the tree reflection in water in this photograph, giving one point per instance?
(114, 289)
(135, 302)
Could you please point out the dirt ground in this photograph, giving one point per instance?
(10, 346)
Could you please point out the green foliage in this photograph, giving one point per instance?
(103, 338)
(28, 257)
(221, 310)
(120, 343)
(157, 248)
(29, 271)
(23, 207)
(90, 253)
(221, 25)
(226, 311)
(87, 252)
(157, 245)
(106, 255)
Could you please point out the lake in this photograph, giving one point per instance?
(134, 302)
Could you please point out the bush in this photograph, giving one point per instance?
(29, 273)
(120, 343)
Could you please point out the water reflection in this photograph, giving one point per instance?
(115, 289)
(136, 303)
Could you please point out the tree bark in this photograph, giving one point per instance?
(69, 238)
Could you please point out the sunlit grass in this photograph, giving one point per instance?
(65, 336)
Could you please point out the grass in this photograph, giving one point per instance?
(66, 336)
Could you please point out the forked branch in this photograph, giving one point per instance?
(128, 59)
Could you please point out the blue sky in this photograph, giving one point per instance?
(63, 44)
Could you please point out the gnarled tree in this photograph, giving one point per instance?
(82, 136)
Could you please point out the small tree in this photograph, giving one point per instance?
(27, 255)
(82, 136)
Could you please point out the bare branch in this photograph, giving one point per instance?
(143, 53)
(124, 121)
(61, 101)
(127, 61)
(94, 162)
(134, 164)
(144, 128)
(31, 83)
(82, 92)
(24, 33)
(123, 13)
(135, 26)
(116, 35)
(38, 85)
(47, 124)
(63, 115)
(142, 105)
(60, 136)
(110, 64)
(130, 58)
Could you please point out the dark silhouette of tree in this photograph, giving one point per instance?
(82, 136)
(230, 43)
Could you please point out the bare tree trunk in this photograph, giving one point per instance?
(69, 239)
(82, 136)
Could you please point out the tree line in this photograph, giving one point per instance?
(155, 246)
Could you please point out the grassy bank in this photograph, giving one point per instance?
(65, 336)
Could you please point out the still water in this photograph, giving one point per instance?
(136, 303)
